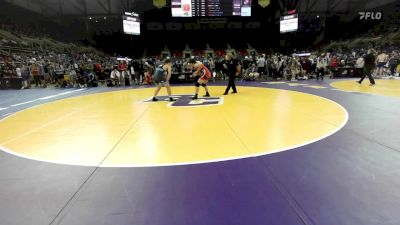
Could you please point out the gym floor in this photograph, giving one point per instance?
(308, 152)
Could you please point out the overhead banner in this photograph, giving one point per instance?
(264, 3)
(159, 3)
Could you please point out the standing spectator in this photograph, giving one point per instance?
(9, 69)
(394, 60)
(295, 68)
(138, 67)
(261, 64)
(59, 71)
(211, 64)
(122, 68)
(381, 61)
(47, 72)
(18, 71)
(25, 77)
(131, 71)
(306, 65)
(35, 71)
(279, 67)
(43, 73)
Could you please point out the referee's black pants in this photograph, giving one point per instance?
(232, 84)
(367, 72)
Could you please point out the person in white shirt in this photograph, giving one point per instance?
(322, 63)
(115, 76)
(381, 61)
(252, 73)
(261, 64)
(211, 64)
(360, 62)
(76, 67)
(18, 70)
(132, 71)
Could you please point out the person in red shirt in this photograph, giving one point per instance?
(201, 77)
(334, 62)
(148, 72)
(122, 66)
(97, 68)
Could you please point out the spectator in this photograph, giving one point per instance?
(26, 79)
(115, 77)
(334, 62)
(261, 64)
(251, 73)
(295, 68)
(35, 71)
(381, 61)
(322, 63)
(394, 60)
(148, 68)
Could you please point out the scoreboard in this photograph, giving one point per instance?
(210, 8)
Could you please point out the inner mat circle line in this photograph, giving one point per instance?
(122, 139)
(44, 125)
(75, 194)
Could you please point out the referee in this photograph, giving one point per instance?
(369, 66)
(231, 68)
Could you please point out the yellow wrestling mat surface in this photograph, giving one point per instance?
(382, 87)
(117, 129)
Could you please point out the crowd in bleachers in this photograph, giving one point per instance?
(43, 63)
(40, 69)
